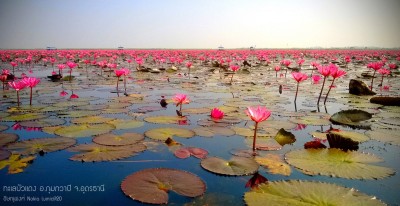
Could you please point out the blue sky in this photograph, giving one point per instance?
(184, 24)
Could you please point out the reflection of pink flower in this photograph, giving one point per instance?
(53, 73)
(217, 114)
(300, 127)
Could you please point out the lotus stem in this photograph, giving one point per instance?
(30, 98)
(231, 78)
(70, 75)
(373, 76)
(125, 83)
(326, 97)
(255, 136)
(382, 83)
(297, 90)
(18, 98)
(322, 88)
(117, 83)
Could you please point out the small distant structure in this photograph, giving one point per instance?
(120, 48)
(252, 48)
(221, 48)
(49, 48)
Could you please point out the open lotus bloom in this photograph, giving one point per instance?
(119, 72)
(258, 114)
(217, 114)
(316, 78)
(299, 77)
(180, 99)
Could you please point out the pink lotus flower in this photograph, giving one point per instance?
(188, 65)
(217, 114)
(13, 64)
(73, 96)
(386, 88)
(257, 114)
(63, 93)
(375, 66)
(3, 79)
(53, 73)
(335, 73)
(277, 68)
(234, 68)
(180, 99)
(316, 78)
(383, 72)
(31, 82)
(17, 85)
(325, 71)
(119, 73)
(392, 66)
(5, 72)
(71, 65)
(299, 77)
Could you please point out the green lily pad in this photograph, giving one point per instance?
(46, 122)
(384, 135)
(83, 130)
(310, 120)
(264, 143)
(118, 140)
(213, 131)
(247, 132)
(15, 163)
(165, 119)
(34, 146)
(114, 110)
(77, 113)
(337, 163)
(91, 120)
(3, 127)
(274, 164)
(65, 104)
(100, 153)
(23, 117)
(283, 137)
(277, 124)
(164, 133)
(126, 123)
(296, 192)
(235, 166)
(93, 107)
(355, 136)
(354, 118)
(6, 138)
(201, 110)
(152, 185)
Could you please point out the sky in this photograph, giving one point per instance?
(196, 24)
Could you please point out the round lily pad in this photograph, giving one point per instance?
(66, 104)
(165, 119)
(23, 117)
(355, 136)
(145, 109)
(15, 163)
(91, 120)
(36, 145)
(283, 137)
(355, 118)
(126, 123)
(201, 110)
(6, 138)
(274, 164)
(212, 131)
(337, 163)
(235, 166)
(185, 152)
(3, 127)
(164, 133)
(296, 192)
(77, 113)
(4, 154)
(118, 140)
(99, 153)
(277, 124)
(384, 135)
(310, 120)
(83, 130)
(46, 122)
(152, 185)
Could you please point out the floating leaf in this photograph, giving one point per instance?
(235, 166)
(341, 142)
(217, 198)
(46, 122)
(354, 118)
(319, 135)
(266, 144)
(91, 120)
(23, 117)
(247, 132)
(53, 109)
(383, 135)
(6, 138)
(77, 113)
(126, 124)
(152, 185)
(391, 121)
(213, 131)
(145, 109)
(274, 164)
(83, 130)
(114, 110)
(194, 151)
(165, 119)
(277, 124)
(315, 144)
(283, 137)
(201, 110)
(37, 145)
(15, 163)
(3, 127)
(4, 154)
(337, 163)
(118, 140)
(296, 192)
(99, 153)
(92, 107)
(164, 133)
(66, 104)
(256, 180)
(355, 136)
(310, 120)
